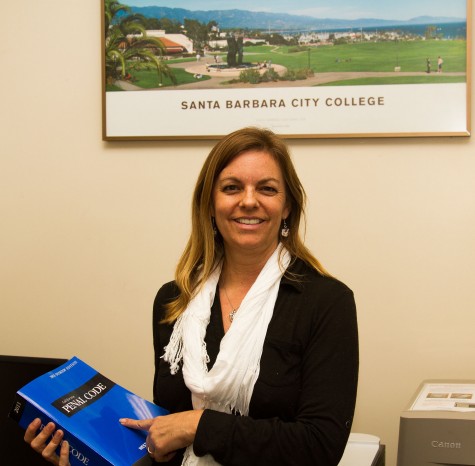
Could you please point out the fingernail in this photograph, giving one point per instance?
(123, 421)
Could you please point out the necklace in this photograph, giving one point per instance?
(234, 309)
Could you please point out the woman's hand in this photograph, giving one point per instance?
(39, 442)
(167, 434)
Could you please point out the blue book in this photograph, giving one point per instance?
(87, 406)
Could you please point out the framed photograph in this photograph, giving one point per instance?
(199, 69)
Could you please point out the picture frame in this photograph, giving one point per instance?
(204, 74)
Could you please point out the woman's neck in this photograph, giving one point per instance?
(242, 269)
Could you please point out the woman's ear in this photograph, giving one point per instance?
(286, 212)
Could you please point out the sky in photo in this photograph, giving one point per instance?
(340, 9)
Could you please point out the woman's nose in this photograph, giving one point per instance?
(249, 198)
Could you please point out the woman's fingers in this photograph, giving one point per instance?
(47, 441)
(38, 442)
(49, 450)
(138, 424)
(32, 430)
(64, 454)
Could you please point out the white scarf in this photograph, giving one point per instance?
(228, 386)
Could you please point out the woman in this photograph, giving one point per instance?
(256, 346)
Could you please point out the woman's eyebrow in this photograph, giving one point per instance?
(263, 180)
(267, 180)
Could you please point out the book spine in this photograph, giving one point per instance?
(24, 412)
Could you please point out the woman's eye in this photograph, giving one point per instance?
(269, 189)
(230, 188)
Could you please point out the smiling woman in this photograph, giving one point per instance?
(254, 340)
(256, 345)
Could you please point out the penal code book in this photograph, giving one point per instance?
(87, 406)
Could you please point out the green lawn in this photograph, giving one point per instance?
(433, 78)
(410, 56)
(150, 80)
(367, 56)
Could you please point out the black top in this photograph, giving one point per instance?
(303, 402)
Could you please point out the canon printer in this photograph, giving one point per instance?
(438, 425)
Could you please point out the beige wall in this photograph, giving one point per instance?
(89, 229)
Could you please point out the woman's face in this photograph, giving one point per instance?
(249, 203)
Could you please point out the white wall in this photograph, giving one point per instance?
(89, 230)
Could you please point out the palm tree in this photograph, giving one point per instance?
(164, 70)
(126, 40)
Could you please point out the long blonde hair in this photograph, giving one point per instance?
(204, 248)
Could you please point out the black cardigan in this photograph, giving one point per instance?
(303, 402)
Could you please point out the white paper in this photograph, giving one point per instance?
(445, 397)
(360, 450)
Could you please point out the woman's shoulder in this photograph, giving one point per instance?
(307, 279)
(169, 289)
(166, 293)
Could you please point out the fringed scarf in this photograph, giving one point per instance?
(228, 386)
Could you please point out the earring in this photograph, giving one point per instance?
(285, 230)
(215, 230)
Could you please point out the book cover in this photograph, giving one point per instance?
(87, 406)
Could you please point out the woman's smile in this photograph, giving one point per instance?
(249, 221)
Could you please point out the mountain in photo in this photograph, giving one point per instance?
(228, 19)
